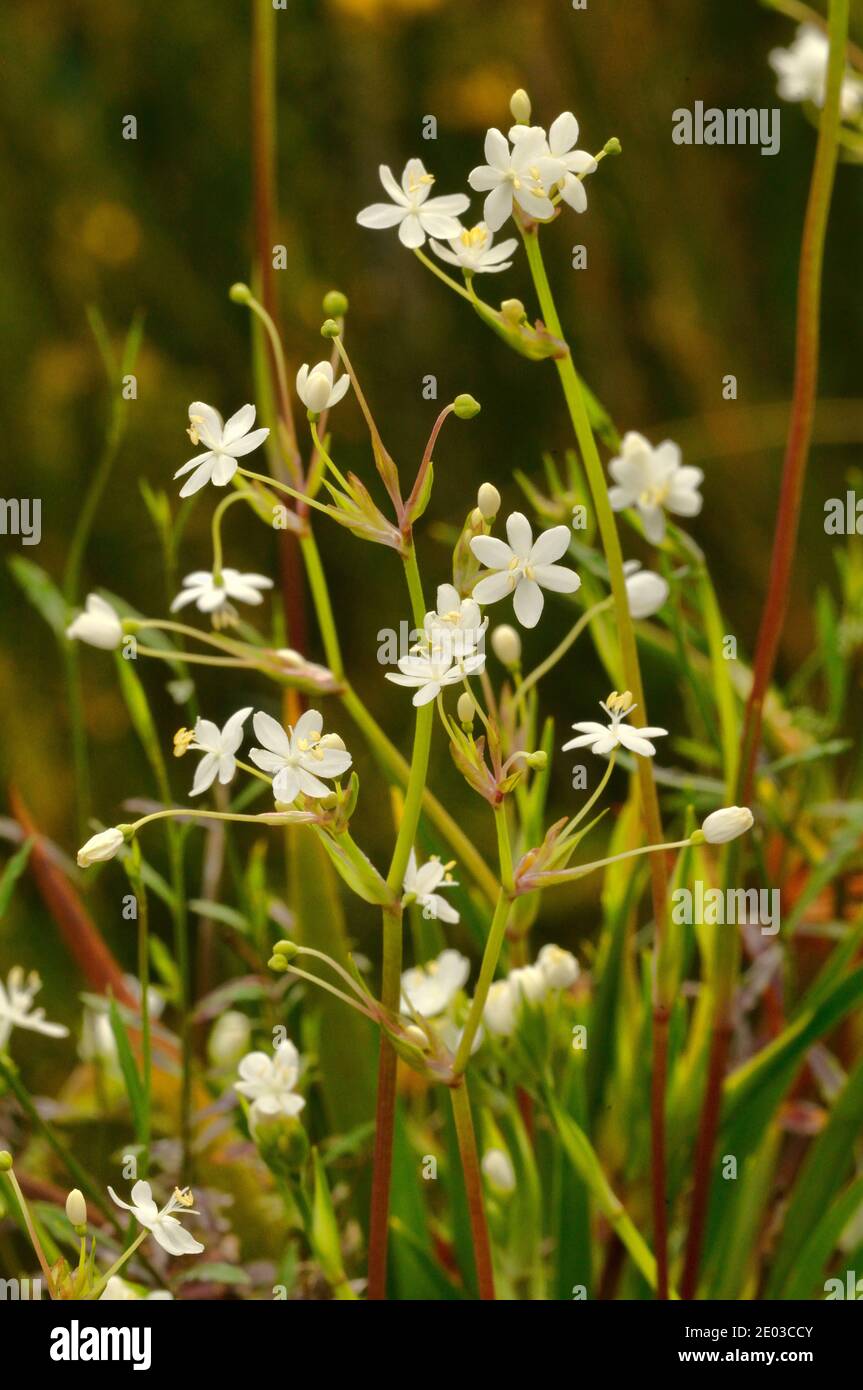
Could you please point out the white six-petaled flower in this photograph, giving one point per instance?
(601, 738)
(212, 596)
(316, 388)
(523, 568)
(473, 250)
(165, 1227)
(270, 1082)
(801, 71)
(218, 747)
(98, 625)
(456, 625)
(423, 882)
(298, 758)
(224, 442)
(428, 990)
(412, 210)
(16, 1007)
(564, 165)
(430, 670)
(654, 481)
(513, 174)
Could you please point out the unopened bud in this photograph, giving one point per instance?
(240, 293)
(519, 105)
(278, 963)
(466, 407)
(335, 304)
(286, 949)
(506, 644)
(466, 708)
(513, 311)
(330, 329)
(538, 760)
(612, 146)
(5, 1161)
(488, 501)
(76, 1208)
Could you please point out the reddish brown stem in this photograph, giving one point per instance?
(382, 1170)
(704, 1154)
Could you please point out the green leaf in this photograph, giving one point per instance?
(42, 592)
(138, 1100)
(12, 871)
(216, 1273)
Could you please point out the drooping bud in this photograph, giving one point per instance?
(465, 407)
(488, 501)
(330, 329)
(278, 963)
(5, 1161)
(286, 949)
(239, 293)
(727, 824)
(538, 760)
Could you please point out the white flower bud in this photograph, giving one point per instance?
(646, 592)
(332, 741)
(506, 644)
(466, 708)
(98, 625)
(519, 105)
(76, 1208)
(530, 982)
(229, 1039)
(488, 501)
(559, 967)
(100, 847)
(727, 824)
(499, 1012)
(497, 1167)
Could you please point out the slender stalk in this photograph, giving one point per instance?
(127, 1254)
(563, 647)
(803, 400)
(473, 1186)
(31, 1231)
(493, 945)
(133, 869)
(631, 669)
(391, 972)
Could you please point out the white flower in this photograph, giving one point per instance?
(727, 824)
(165, 1227)
(601, 738)
(117, 1290)
(270, 1082)
(98, 624)
(501, 1007)
(646, 592)
(218, 747)
(652, 479)
(559, 967)
(473, 250)
(412, 210)
(523, 568)
(423, 883)
(456, 627)
(229, 1039)
(513, 174)
(529, 982)
(208, 596)
(100, 847)
(564, 165)
(802, 72)
(16, 1007)
(430, 671)
(315, 387)
(429, 989)
(451, 1035)
(224, 442)
(298, 758)
(497, 1167)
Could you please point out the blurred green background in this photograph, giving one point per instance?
(691, 275)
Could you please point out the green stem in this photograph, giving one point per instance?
(563, 647)
(31, 1231)
(473, 1187)
(216, 529)
(133, 869)
(100, 1284)
(493, 945)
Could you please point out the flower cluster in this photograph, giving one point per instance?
(554, 969)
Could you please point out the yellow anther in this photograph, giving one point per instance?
(182, 741)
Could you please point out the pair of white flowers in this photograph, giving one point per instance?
(554, 969)
(450, 648)
(528, 169)
(296, 758)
